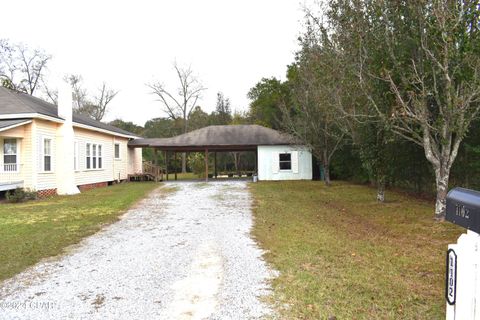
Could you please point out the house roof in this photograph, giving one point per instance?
(229, 137)
(9, 123)
(15, 103)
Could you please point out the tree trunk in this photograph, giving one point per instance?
(326, 173)
(184, 162)
(326, 168)
(441, 176)
(381, 188)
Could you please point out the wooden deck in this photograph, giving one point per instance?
(150, 172)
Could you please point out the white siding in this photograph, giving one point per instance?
(112, 169)
(30, 150)
(45, 180)
(268, 163)
(134, 160)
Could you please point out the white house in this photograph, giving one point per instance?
(53, 151)
(279, 156)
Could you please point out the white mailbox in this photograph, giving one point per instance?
(462, 280)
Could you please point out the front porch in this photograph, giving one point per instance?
(12, 133)
(10, 175)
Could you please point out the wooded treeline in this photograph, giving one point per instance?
(386, 92)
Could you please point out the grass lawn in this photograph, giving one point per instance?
(33, 230)
(340, 253)
(183, 176)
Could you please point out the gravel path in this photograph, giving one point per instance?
(187, 255)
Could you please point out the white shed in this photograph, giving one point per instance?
(284, 162)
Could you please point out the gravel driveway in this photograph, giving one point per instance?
(187, 255)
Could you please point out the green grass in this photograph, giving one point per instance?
(340, 253)
(33, 230)
(183, 176)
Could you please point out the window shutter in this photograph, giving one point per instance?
(295, 161)
(275, 162)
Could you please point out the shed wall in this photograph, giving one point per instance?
(268, 163)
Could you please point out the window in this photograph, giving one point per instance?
(285, 161)
(10, 155)
(75, 156)
(88, 157)
(99, 156)
(47, 155)
(94, 156)
(117, 151)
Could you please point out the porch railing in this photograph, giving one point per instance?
(10, 172)
(155, 171)
(10, 167)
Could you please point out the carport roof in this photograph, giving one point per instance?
(229, 137)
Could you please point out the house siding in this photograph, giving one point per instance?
(134, 160)
(27, 156)
(113, 169)
(268, 165)
(45, 180)
(120, 166)
(30, 144)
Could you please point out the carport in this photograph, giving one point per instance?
(223, 138)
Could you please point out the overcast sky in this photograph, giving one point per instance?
(230, 45)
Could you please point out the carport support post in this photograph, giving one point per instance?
(155, 156)
(206, 165)
(155, 161)
(175, 166)
(215, 164)
(166, 163)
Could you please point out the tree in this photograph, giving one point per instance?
(21, 68)
(370, 135)
(180, 104)
(317, 95)
(128, 126)
(95, 107)
(434, 51)
(198, 119)
(267, 97)
(162, 128)
(240, 117)
(223, 111)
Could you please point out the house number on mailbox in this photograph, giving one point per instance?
(461, 211)
(451, 278)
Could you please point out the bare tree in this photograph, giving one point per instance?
(97, 107)
(21, 68)
(180, 104)
(94, 107)
(51, 94)
(79, 92)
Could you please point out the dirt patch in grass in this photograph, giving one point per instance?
(340, 253)
(34, 230)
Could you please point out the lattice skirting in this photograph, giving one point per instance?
(46, 193)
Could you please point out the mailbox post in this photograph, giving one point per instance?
(462, 280)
